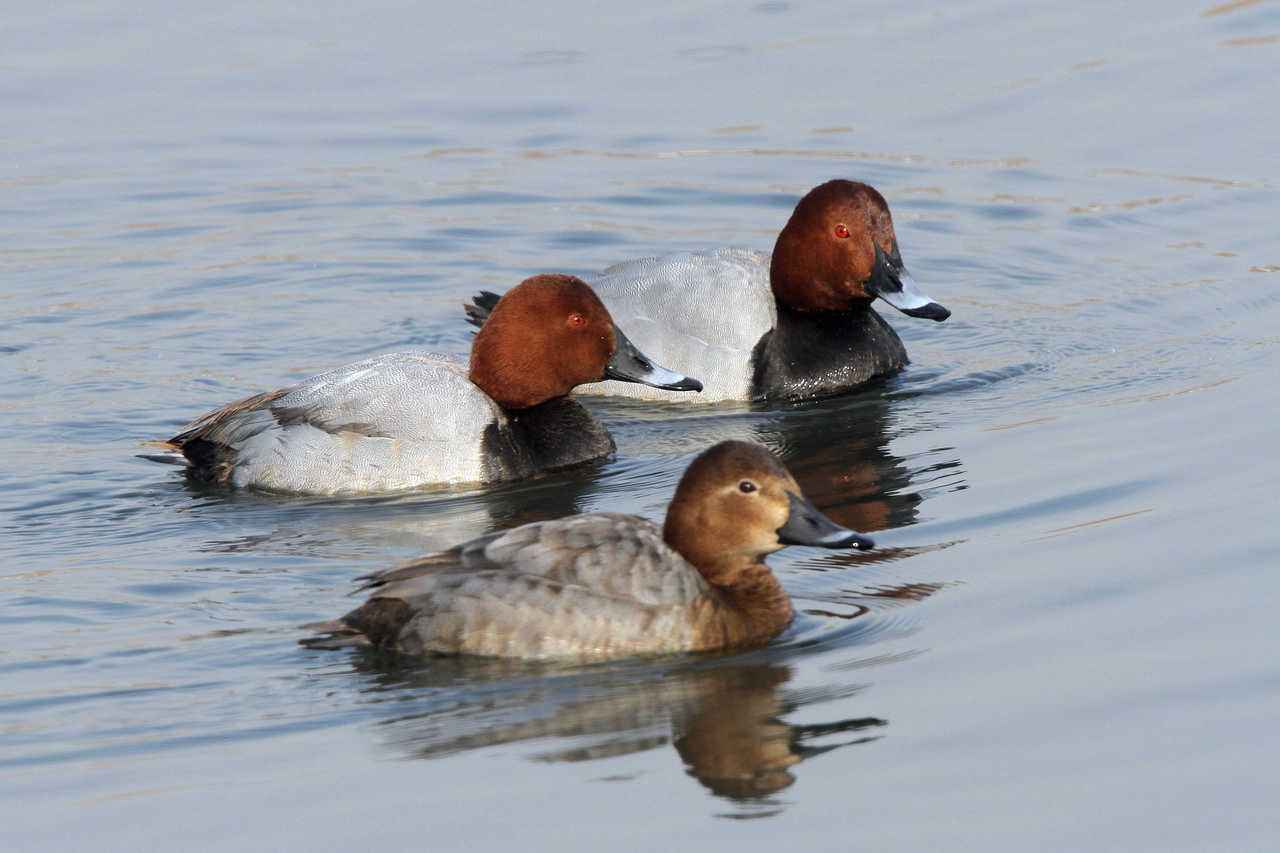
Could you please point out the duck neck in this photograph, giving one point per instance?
(755, 608)
(812, 354)
(513, 370)
(556, 434)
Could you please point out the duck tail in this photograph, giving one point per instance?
(479, 308)
(333, 635)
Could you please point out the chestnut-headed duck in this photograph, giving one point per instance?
(409, 419)
(792, 326)
(606, 585)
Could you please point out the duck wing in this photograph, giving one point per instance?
(596, 585)
(392, 421)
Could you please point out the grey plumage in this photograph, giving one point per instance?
(590, 586)
(391, 422)
(702, 313)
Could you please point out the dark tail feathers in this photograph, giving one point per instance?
(478, 312)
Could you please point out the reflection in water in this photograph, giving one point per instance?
(838, 451)
(737, 745)
(416, 522)
(725, 716)
(724, 719)
(862, 600)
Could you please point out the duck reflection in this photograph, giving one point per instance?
(739, 747)
(411, 523)
(726, 721)
(838, 451)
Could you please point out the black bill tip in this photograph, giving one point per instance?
(686, 384)
(931, 311)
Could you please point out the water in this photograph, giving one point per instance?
(1066, 642)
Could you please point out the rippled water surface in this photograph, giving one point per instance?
(1067, 640)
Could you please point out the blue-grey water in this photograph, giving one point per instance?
(1068, 640)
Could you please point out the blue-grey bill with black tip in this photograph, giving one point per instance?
(891, 282)
(630, 365)
(806, 525)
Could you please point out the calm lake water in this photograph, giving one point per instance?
(1068, 639)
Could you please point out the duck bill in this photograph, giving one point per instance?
(891, 282)
(807, 526)
(630, 365)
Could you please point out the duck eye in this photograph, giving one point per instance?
(747, 487)
(841, 231)
(576, 321)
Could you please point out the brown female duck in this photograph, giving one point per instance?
(606, 585)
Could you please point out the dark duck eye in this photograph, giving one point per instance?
(747, 487)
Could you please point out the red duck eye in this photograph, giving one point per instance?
(576, 321)
(842, 231)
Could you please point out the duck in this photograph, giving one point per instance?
(789, 326)
(604, 585)
(414, 418)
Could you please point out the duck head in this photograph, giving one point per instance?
(839, 252)
(735, 505)
(550, 334)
